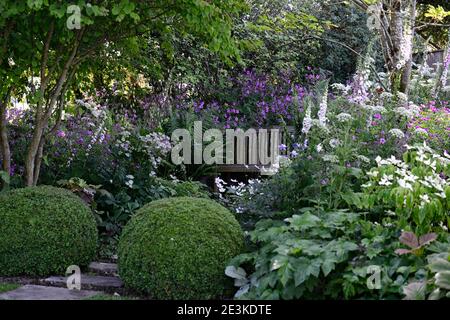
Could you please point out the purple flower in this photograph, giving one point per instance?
(61, 134)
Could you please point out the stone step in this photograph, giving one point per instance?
(103, 269)
(34, 292)
(102, 283)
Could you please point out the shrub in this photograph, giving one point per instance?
(178, 248)
(44, 230)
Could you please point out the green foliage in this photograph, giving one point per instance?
(320, 255)
(5, 287)
(437, 284)
(439, 266)
(178, 249)
(437, 13)
(5, 180)
(44, 230)
(416, 189)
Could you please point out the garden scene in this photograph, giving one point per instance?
(224, 150)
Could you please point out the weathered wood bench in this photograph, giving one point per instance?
(251, 168)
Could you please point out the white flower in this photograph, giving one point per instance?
(425, 198)
(367, 185)
(386, 180)
(322, 115)
(397, 133)
(411, 178)
(129, 183)
(378, 160)
(330, 158)
(373, 173)
(340, 87)
(319, 148)
(220, 184)
(405, 185)
(402, 97)
(376, 109)
(307, 121)
(334, 143)
(421, 131)
(386, 95)
(363, 159)
(344, 117)
(441, 195)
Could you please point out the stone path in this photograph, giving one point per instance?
(103, 283)
(104, 280)
(102, 268)
(33, 292)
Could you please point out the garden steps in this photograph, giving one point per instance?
(110, 284)
(102, 279)
(103, 269)
(36, 292)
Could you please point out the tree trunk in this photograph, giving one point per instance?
(33, 149)
(4, 141)
(410, 25)
(34, 154)
(38, 161)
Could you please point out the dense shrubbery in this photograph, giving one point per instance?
(178, 248)
(354, 187)
(44, 230)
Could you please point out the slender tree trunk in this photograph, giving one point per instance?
(33, 149)
(38, 161)
(4, 141)
(406, 76)
(396, 30)
(43, 115)
(40, 153)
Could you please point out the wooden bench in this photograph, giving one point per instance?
(254, 169)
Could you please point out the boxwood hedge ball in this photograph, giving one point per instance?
(178, 248)
(44, 230)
